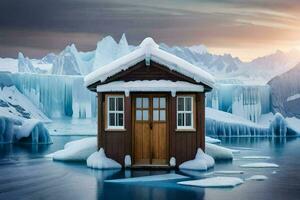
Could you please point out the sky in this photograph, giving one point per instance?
(246, 29)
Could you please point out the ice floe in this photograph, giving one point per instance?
(229, 172)
(260, 165)
(256, 157)
(98, 160)
(212, 140)
(161, 177)
(257, 178)
(202, 161)
(214, 182)
(218, 152)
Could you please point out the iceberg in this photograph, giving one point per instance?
(31, 131)
(218, 152)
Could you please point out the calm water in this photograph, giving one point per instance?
(26, 174)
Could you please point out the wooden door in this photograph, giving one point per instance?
(150, 141)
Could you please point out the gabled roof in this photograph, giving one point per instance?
(149, 50)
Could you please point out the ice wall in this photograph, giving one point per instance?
(57, 95)
(247, 101)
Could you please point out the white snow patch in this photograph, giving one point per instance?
(98, 160)
(256, 157)
(293, 97)
(162, 177)
(257, 178)
(212, 140)
(214, 182)
(78, 150)
(218, 152)
(202, 161)
(260, 165)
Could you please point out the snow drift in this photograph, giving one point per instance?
(202, 161)
(98, 160)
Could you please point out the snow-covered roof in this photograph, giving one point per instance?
(149, 50)
(150, 86)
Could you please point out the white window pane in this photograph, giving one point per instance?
(111, 103)
(145, 102)
(188, 119)
(120, 119)
(162, 103)
(139, 102)
(162, 115)
(188, 104)
(111, 119)
(180, 103)
(145, 115)
(138, 115)
(155, 115)
(155, 102)
(180, 119)
(120, 104)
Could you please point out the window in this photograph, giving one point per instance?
(184, 112)
(142, 109)
(115, 112)
(159, 109)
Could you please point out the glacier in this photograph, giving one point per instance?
(247, 101)
(57, 96)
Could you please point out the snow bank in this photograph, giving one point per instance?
(98, 160)
(28, 131)
(218, 152)
(214, 182)
(260, 165)
(202, 161)
(257, 178)
(78, 150)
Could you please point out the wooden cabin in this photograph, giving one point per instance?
(151, 106)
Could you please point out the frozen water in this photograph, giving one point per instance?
(214, 182)
(172, 162)
(202, 161)
(162, 177)
(127, 161)
(212, 140)
(98, 160)
(260, 165)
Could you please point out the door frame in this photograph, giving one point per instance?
(150, 95)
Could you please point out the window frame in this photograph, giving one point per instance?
(115, 112)
(184, 112)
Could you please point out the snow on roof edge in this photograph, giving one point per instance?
(149, 49)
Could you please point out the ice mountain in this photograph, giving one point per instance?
(70, 62)
(199, 56)
(109, 50)
(285, 95)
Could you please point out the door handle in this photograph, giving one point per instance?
(151, 125)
